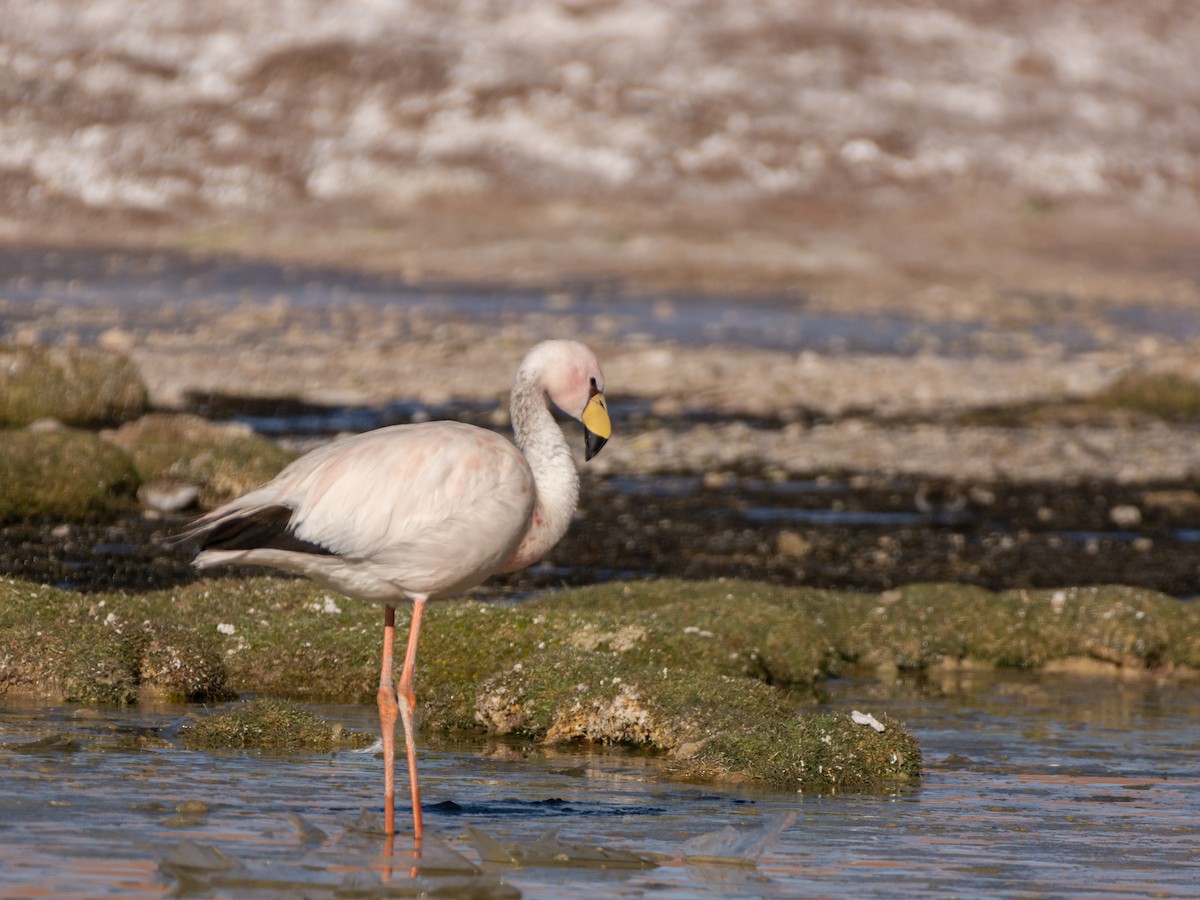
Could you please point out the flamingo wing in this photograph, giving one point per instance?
(429, 508)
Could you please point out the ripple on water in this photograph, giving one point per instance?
(1034, 785)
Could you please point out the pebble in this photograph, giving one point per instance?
(793, 544)
(861, 718)
(118, 340)
(1125, 516)
(45, 425)
(167, 495)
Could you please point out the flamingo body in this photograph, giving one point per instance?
(411, 510)
(421, 512)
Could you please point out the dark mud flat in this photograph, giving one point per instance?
(851, 533)
(876, 533)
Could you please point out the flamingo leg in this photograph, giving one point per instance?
(388, 709)
(408, 709)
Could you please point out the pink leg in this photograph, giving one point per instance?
(387, 721)
(408, 708)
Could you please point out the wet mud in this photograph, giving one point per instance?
(876, 533)
(850, 532)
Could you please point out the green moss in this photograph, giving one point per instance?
(780, 635)
(693, 670)
(1163, 394)
(922, 625)
(76, 385)
(810, 753)
(265, 724)
(179, 663)
(716, 726)
(63, 474)
(926, 625)
(464, 643)
(225, 460)
(89, 649)
(1129, 628)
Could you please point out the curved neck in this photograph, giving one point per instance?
(555, 479)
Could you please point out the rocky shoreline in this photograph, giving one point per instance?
(1060, 467)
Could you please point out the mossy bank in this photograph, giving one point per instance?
(56, 466)
(60, 474)
(696, 670)
(73, 385)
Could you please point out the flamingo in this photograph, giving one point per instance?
(421, 512)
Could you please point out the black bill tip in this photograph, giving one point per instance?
(592, 444)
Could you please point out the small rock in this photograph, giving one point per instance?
(939, 499)
(981, 496)
(1058, 600)
(190, 857)
(44, 425)
(794, 544)
(717, 480)
(861, 718)
(1125, 515)
(118, 340)
(306, 832)
(168, 494)
(689, 749)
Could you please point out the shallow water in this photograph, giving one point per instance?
(130, 286)
(1035, 787)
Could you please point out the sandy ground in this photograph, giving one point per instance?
(1019, 165)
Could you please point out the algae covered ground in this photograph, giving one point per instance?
(266, 724)
(58, 463)
(713, 674)
(707, 673)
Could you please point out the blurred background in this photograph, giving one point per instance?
(955, 158)
(884, 291)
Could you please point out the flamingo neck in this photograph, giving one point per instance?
(556, 482)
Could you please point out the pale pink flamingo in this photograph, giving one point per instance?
(421, 512)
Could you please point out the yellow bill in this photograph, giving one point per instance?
(597, 428)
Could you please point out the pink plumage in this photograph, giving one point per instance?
(421, 512)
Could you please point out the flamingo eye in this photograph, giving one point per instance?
(595, 389)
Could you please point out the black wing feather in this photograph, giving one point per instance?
(263, 529)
